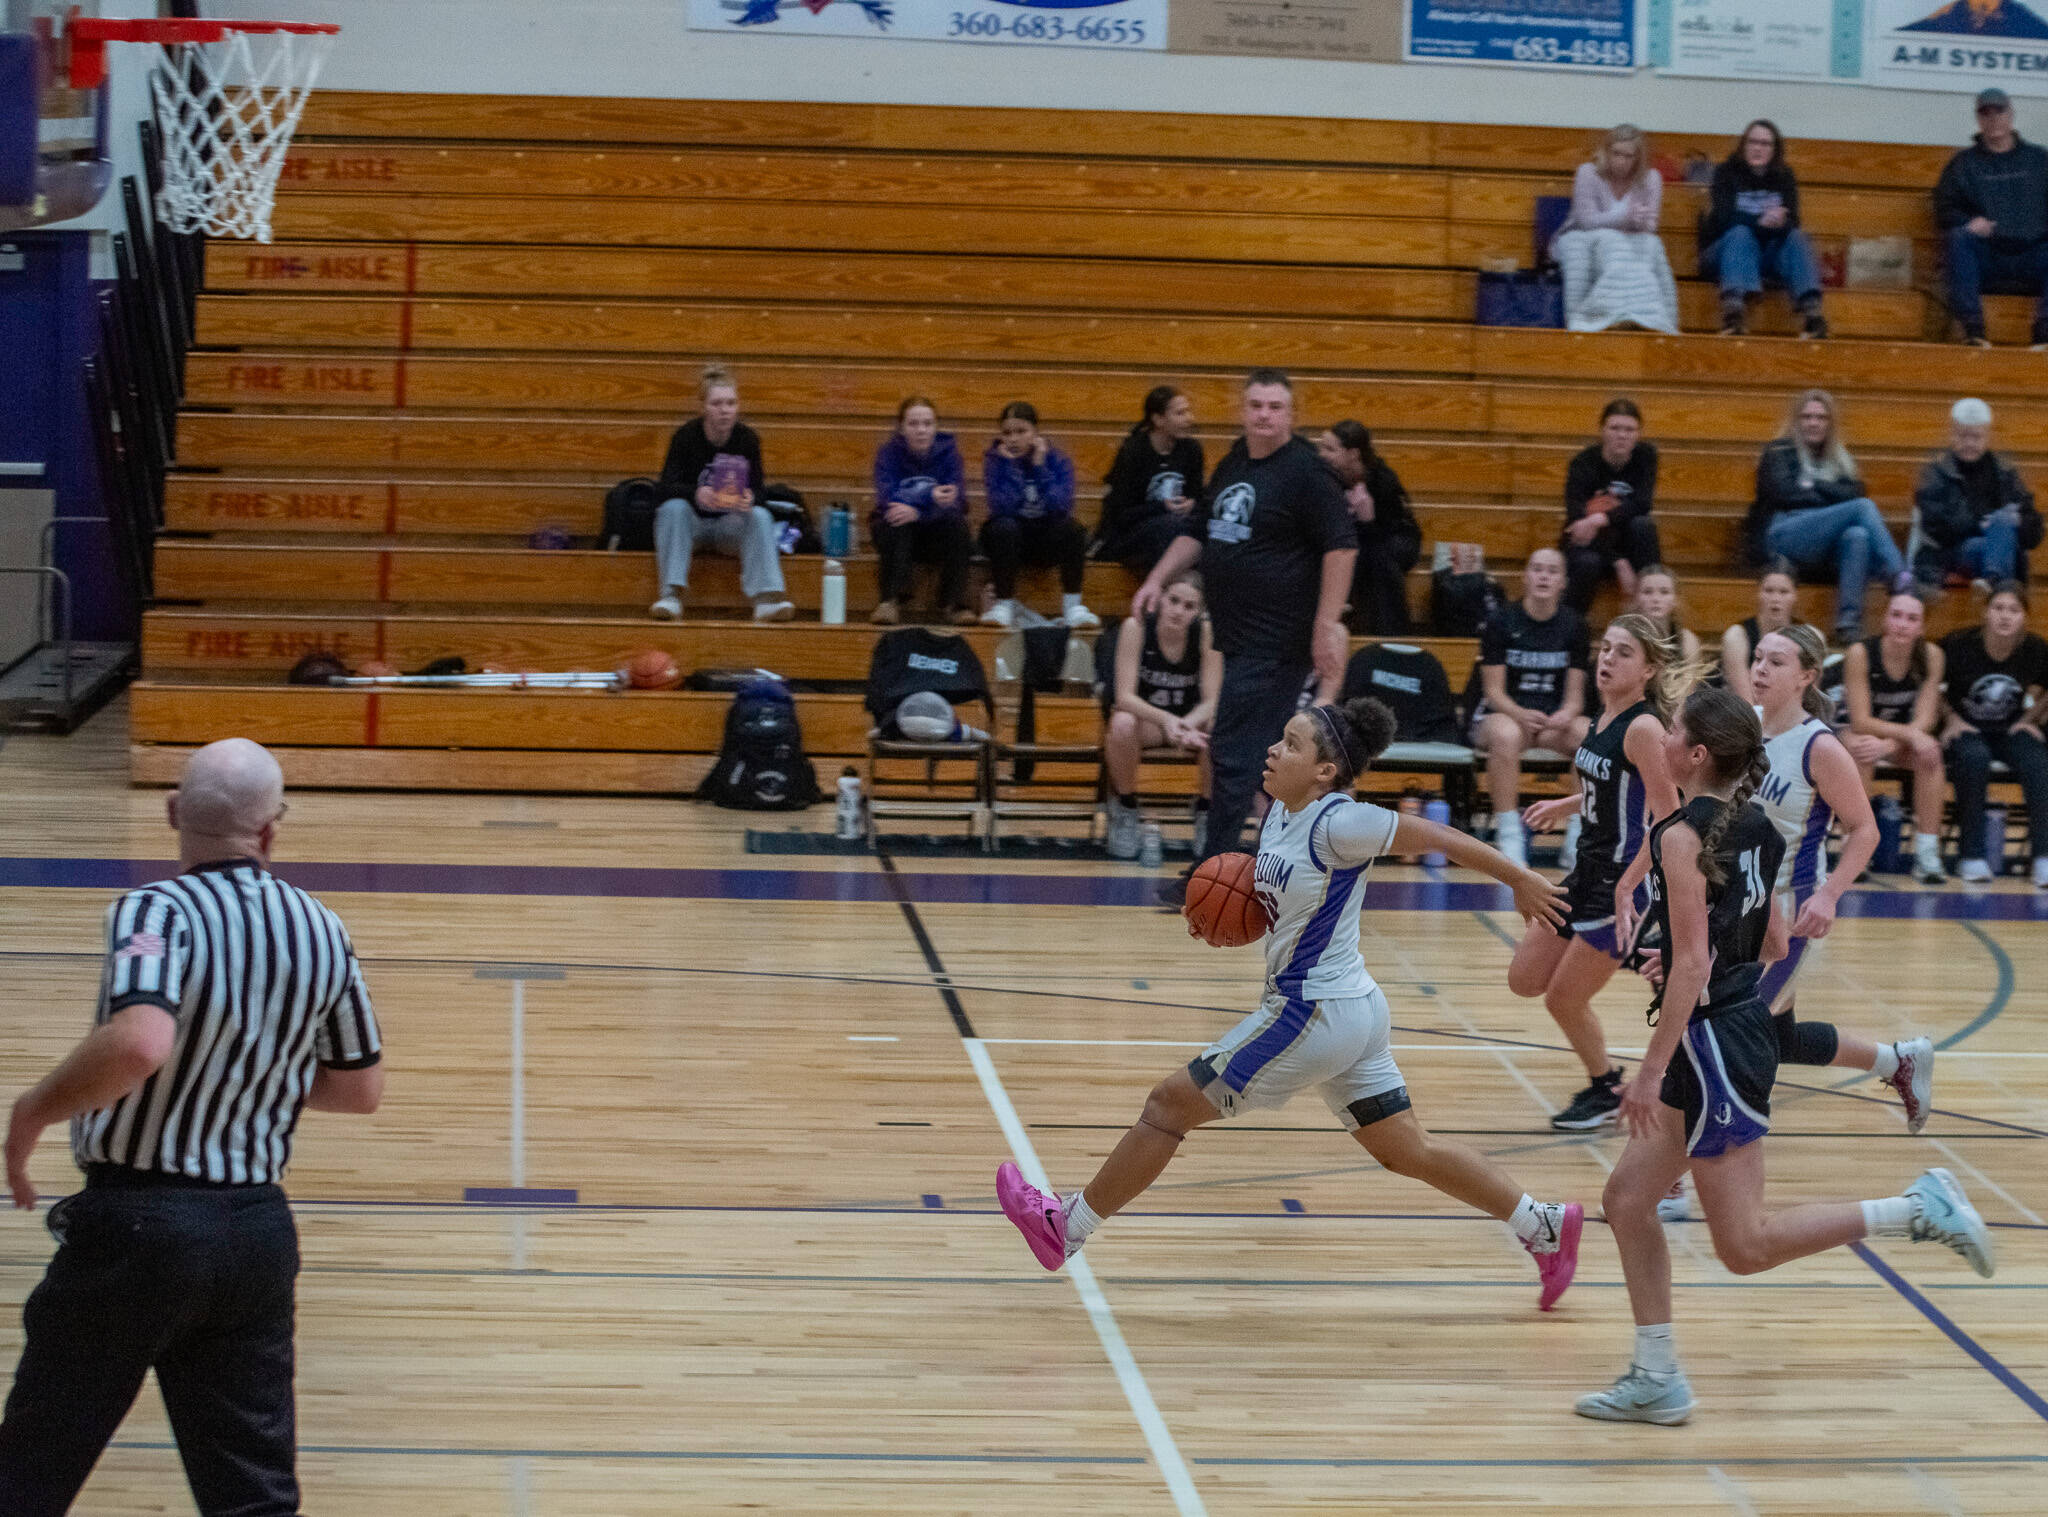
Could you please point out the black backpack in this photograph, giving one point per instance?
(795, 531)
(1459, 604)
(761, 766)
(629, 508)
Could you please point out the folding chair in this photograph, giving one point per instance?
(920, 779)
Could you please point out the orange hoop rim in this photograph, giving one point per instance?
(89, 36)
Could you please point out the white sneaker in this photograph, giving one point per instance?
(1640, 1396)
(773, 610)
(2041, 872)
(1124, 830)
(1973, 872)
(1511, 841)
(1943, 1214)
(1568, 850)
(1927, 869)
(668, 609)
(1002, 614)
(1672, 1207)
(1080, 618)
(1914, 1080)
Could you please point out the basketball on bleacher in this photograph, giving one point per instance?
(377, 668)
(1222, 908)
(653, 669)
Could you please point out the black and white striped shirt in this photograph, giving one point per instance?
(265, 987)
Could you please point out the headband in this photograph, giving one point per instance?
(1336, 731)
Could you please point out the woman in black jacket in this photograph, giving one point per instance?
(1750, 232)
(1389, 540)
(1153, 484)
(1811, 508)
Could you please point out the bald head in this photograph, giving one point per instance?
(231, 792)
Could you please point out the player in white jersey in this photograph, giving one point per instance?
(1322, 1024)
(1813, 783)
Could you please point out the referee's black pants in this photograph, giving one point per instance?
(1257, 698)
(195, 1282)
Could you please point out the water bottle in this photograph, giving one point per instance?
(1151, 847)
(1411, 805)
(839, 531)
(1994, 838)
(850, 828)
(1438, 811)
(1888, 857)
(832, 594)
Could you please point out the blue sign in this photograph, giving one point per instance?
(1583, 34)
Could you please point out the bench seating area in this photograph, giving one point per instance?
(479, 313)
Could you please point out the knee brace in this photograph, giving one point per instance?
(1811, 1043)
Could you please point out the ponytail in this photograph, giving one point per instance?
(1726, 725)
(1745, 790)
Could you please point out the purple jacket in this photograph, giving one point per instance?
(901, 475)
(1016, 487)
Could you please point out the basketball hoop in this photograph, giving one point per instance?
(228, 95)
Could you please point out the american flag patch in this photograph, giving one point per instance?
(143, 945)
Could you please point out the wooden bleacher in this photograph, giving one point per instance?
(478, 315)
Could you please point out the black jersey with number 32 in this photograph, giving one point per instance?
(1738, 909)
(1613, 814)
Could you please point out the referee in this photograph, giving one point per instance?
(229, 1002)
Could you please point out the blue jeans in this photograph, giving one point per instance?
(1993, 554)
(1974, 263)
(1743, 259)
(1851, 539)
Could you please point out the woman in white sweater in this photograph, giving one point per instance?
(1615, 271)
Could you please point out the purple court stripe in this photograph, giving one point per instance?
(513, 1195)
(865, 885)
(1956, 1335)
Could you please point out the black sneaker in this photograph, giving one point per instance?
(1592, 1107)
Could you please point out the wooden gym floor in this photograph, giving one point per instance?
(777, 1094)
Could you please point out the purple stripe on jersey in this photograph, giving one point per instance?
(1246, 1063)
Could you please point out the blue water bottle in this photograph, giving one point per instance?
(1438, 811)
(838, 532)
(1888, 857)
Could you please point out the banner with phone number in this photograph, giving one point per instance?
(1126, 24)
(1582, 34)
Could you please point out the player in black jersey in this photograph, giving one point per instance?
(1711, 868)
(1622, 787)
(1892, 687)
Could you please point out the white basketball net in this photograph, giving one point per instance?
(227, 111)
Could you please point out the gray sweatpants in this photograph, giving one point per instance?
(746, 535)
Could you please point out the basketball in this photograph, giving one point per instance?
(1222, 908)
(377, 668)
(653, 669)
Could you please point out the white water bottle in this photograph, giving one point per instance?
(1151, 847)
(849, 817)
(832, 597)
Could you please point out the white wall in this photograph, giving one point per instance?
(640, 48)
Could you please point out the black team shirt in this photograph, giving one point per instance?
(1269, 522)
(1537, 655)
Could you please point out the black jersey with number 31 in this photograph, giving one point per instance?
(1738, 909)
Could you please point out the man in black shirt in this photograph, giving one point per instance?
(1276, 547)
(1608, 493)
(1533, 658)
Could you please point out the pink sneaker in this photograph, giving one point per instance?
(1555, 1269)
(1043, 1220)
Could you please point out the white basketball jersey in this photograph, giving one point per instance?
(1794, 806)
(1314, 898)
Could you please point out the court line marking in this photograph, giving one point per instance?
(1938, 1494)
(1633, 1053)
(1731, 1491)
(2029, 1398)
(776, 1456)
(1180, 1483)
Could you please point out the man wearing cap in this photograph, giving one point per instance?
(1977, 516)
(1992, 208)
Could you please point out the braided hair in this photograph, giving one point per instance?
(1351, 736)
(1722, 722)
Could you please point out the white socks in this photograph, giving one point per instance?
(1081, 1221)
(1069, 602)
(1887, 1063)
(1927, 847)
(1539, 1224)
(1656, 1354)
(1890, 1218)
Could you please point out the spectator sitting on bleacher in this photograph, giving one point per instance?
(1811, 508)
(1750, 232)
(1615, 269)
(1777, 602)
(1891, 685)
(1991, 206)
(1995, 674)
(1657, 598)
(1153, 484)
(1609, 490)
(1389, 540)
(711, 488)
(920, 514)
(1029, 488)
(1977, 515)
(1533, 657)
(1163, 695)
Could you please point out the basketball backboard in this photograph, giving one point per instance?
(53, 138)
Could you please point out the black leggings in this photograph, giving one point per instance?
(1011, 542)
(1812, 1043)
